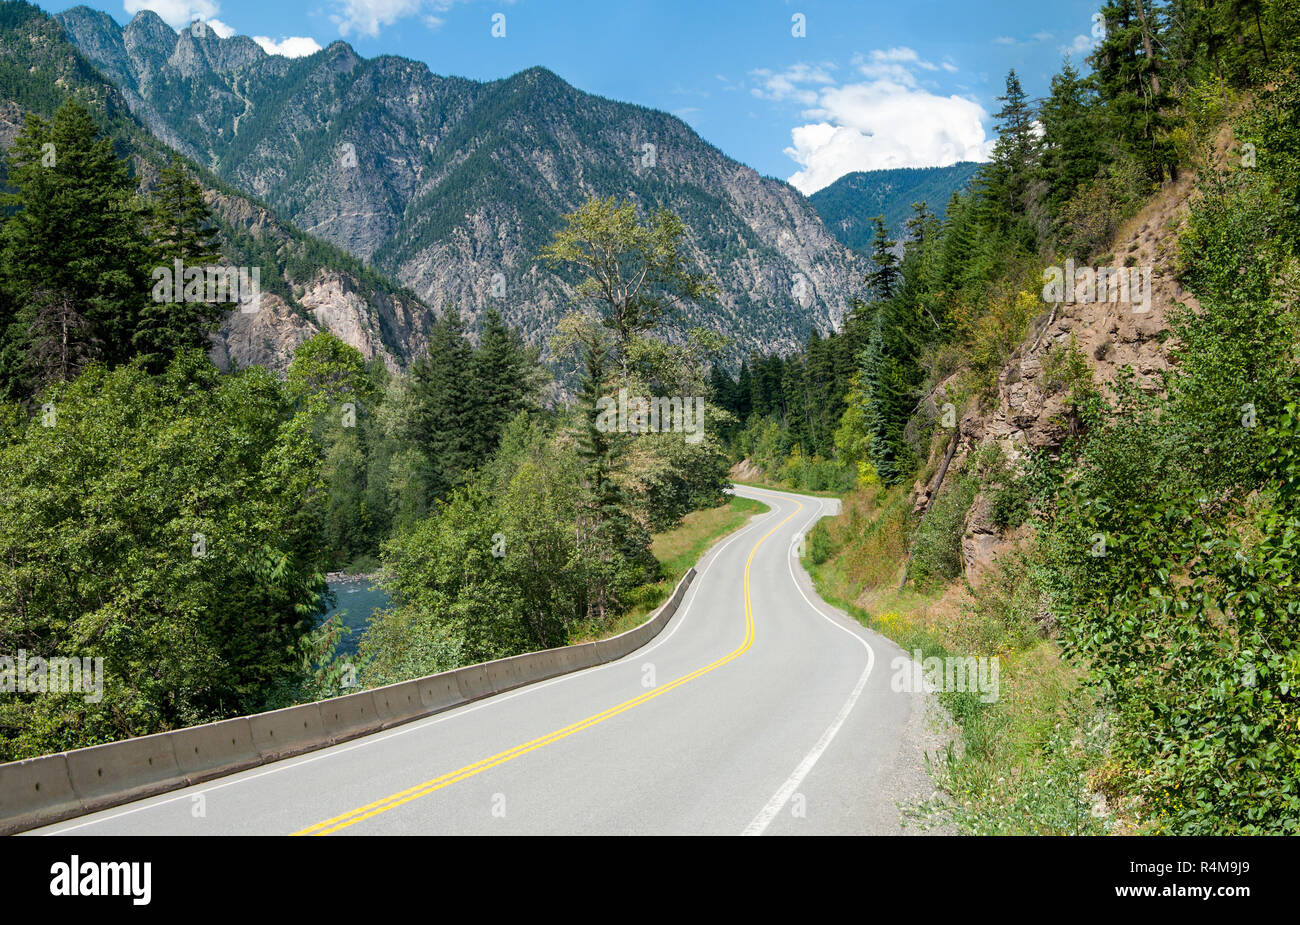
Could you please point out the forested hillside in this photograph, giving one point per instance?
(849, 205)
(450, 186)
(306, 283)
(1068, 418)
(1063, 414)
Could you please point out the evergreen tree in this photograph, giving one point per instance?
(1072, 146)
(794, 397)
(744, 401)
(883, 281)
(921, 226)
(889, 375)
(1005, 187)
(443, 417)
(181, 226)
(722, 390)
(1127, 68)
(616, 549)
(73, 240)
(504, 376)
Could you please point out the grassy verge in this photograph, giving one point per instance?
(1027, 763)
(677, 550)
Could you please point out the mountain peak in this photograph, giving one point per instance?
(148, 30)
(339, 52)
(147, 20)
(445, 183)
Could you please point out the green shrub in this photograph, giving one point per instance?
(820, 547)
(936, 545)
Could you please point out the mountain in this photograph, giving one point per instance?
(849, 204)
(307, 284)
(452, 186)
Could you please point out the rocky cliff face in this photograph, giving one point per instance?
(452, 186)
(310, 290)
(1029, 411)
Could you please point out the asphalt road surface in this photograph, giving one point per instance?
(758, 710)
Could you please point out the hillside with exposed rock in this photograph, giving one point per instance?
(452, 186)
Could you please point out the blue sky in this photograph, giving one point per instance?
(867, 85)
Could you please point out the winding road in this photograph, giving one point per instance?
(758, 710)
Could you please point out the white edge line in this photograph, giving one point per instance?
(786, 790)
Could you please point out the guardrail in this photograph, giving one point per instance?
(51, 788)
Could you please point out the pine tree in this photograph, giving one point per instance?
(884, 280)
(443, 417)
(889, 377)
(1005, 186)
(74, 239)
(1072, 146)
(722, 389)
(182, 229)
(744, 401)
(1127, 68)
(615, 548)
(921, 226)
(794, 398)
(503, 373)
(825, 393)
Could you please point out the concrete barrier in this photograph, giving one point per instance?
(581, 656)
(474, 682)
(503, 674)
(349, 716)
(216, 749)
(35, 792)
(610, 650)
(439, 691)
(528, 669)
(291, 731)
(398, 703)
(566, 659)
(119, 772)
(51, 788)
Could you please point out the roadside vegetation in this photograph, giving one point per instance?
(677, 551)
(1143, 601)
(178, 521)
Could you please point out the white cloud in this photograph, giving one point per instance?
(1081, 45)
(365, 17)
(885, 121)
(176, 13)
(893, 64)
(788, 85)
(295, 46)
(221, 29)
(1004, 40)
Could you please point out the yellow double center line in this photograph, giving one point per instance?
(446, 780)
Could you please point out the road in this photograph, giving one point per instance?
(758, 710)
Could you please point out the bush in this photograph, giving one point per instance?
(820, 547)
(936, 545)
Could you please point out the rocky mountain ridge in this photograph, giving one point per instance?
(451, 186)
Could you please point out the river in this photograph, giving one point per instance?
(357, 598)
